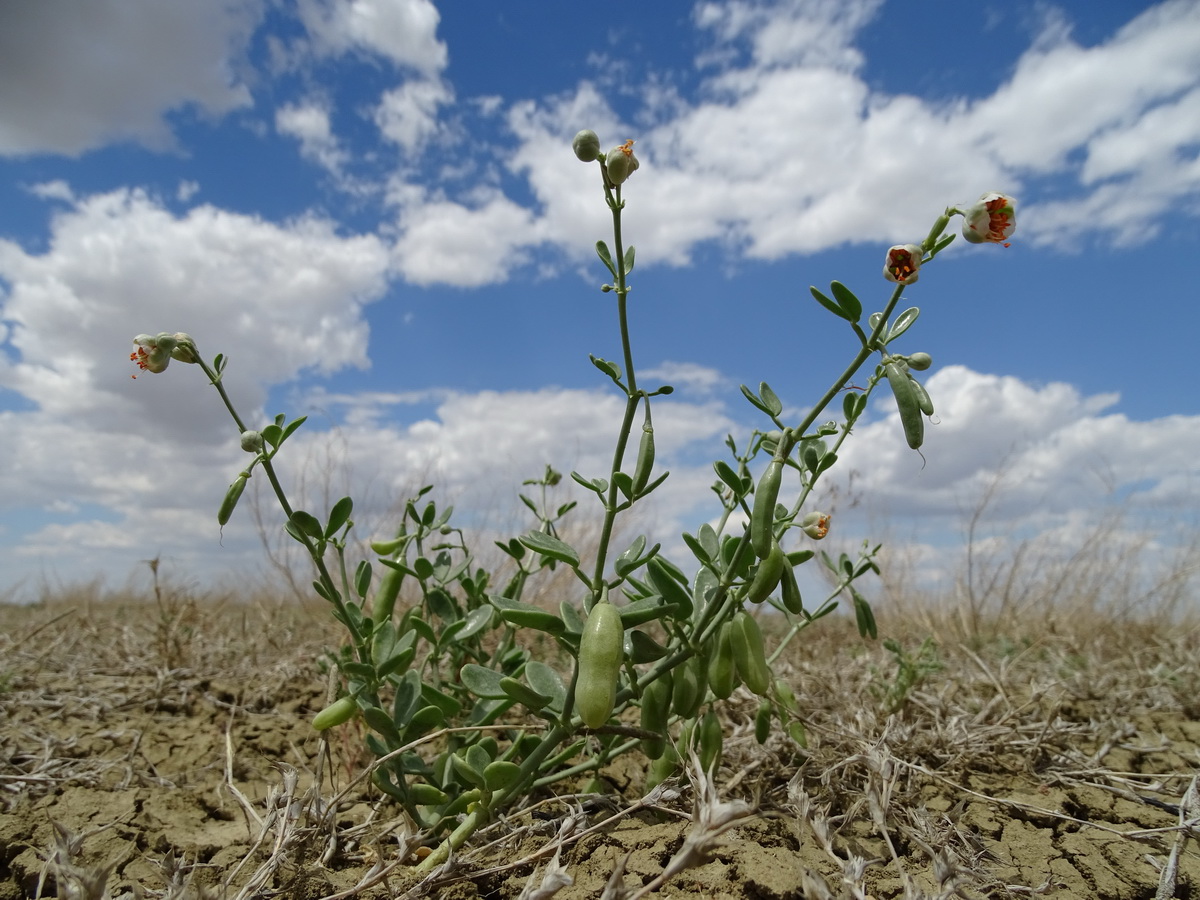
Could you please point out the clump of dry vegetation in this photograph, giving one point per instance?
(161, 747)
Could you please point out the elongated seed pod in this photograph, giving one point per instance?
(601, 649)
(762, 721)
(645, 460)
(338, 712)
(687, 690)
(923, 401)
(722, 670)
(656, 713)
(712, 740)
(748, 653)
(231, 499)
(770, 570)
(789, 591)
(906, 402)
(762, 514)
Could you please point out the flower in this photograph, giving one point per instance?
(621, 163)
(152, 353)
(815, 525)
(993, 219)
(902, 263)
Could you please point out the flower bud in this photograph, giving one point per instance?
(815, 525)
(621, 163)
(185, 348)
(903, 263)
(252, 441)
(920, 361)
(586, 145)
(993, 219)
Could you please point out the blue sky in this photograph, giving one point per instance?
(371, 206)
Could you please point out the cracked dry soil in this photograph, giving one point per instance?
(1050, 766)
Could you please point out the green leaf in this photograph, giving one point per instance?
(642, 611)
(673, 590)
(609, 368)
(570, 617)
(864, 616)
(726, 474)
(524, 694)
(339, 516)
(478, 620)
(547, 545)
(629, 259)
(851, 305)
(708, 540)
(423, 721)
(773, 404)
(903, 322)
(501, 774)
(381, 722)
(306, 523)
(483, 682)
(630, 557)
(408, 696)
(545, 680)
(291, 428)
(451, 706)
(526, 615)
(755, 400)
(606, 257)
(362, 579)
(697, 550)
(828, 304)
(642, 648)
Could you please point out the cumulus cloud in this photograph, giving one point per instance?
(728, 164)
(402, 31)
(77, 76)
(276, 299)
(308, 122)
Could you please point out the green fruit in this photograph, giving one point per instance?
(762, 514)
(656, 714)
(748, 653)
(336, 713)
(722, 673)
(601, 652)
(689, 685)
(770, 570)
(586, 145)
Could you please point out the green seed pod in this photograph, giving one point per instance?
(339, 712)
(770, 570)
(920, 361)
(656, 713)
(762, 721)
(907, 404)
(789, 591)
(712, 739)
(384, 601)
(690, 683)
(601, 652)
(748, 653)
(586, 146)
(645, 460)
(662, 768)
(231, 498)
(762, 514)
(722, 671)
(923, 401)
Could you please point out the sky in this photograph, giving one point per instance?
(371, 207)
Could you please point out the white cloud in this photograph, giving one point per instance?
(308, 122)
(402, 31)
(276, 299)
(408, 115)
(76, 76)
(785, 148)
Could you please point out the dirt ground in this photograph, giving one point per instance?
(153, 751)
